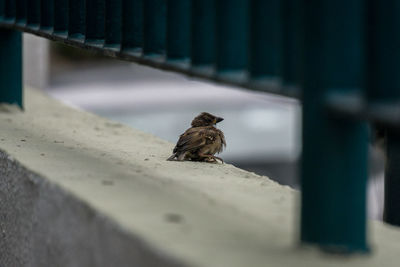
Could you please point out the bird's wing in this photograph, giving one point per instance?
(222, 142)
(194, 138)
(221, 134)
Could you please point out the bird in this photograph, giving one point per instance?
(201, 141)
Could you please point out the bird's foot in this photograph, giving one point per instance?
(222, 161)
(210, 160)
(213, 159)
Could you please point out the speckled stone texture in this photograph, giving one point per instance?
(41, 225)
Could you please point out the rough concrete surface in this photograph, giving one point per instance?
(79, 190)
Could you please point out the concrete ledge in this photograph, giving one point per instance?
(79, 190)
(42, 225)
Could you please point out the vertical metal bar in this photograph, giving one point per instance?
(265, 41)
(383, 53)
(61, 17)
(203, 32)
(334, 159)
(232, 36)
(2, 5)
(33, 16)
(10, 11)
(113, 23)
(291, 43)
(21, 11)
(46, 14)
(178, 29)
(11, 67)
(383, 84)
(391, 213)
(95, 22)
(132, 25)
(76, 29)
(154, 26)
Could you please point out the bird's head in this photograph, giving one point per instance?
(205, 119)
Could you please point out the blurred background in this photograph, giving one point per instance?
(263, 131)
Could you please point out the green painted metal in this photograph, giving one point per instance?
(47, 14)
(95, 14)
(155, 19)
(33, 13)
(391, 212)
(178, 29)
(266, 39)
(203, 32)
(21, 11)
(76, 19)
(61, 17)
(2, 5)
(10, 10)
(383, 81)
(143, 37)
(334, 157)
(132, 25)
(10, 67)
(113, 23)
(383, 85)
(232, 35)
(292, 42)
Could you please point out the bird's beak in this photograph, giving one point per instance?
(219, 119)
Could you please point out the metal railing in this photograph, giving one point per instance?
(343, 54)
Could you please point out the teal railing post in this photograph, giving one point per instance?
(202, 46)
(383, 86)
(334, 159)
(10, 67)
(391, 213)
(291, 45)
(178, 30)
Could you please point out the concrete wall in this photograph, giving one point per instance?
(79, 190)
(42, 225)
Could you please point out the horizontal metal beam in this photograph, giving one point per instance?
(76, 39)
(357, 107)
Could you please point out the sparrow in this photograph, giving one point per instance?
(201, 141)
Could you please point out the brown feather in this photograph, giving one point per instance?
(200, 143)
